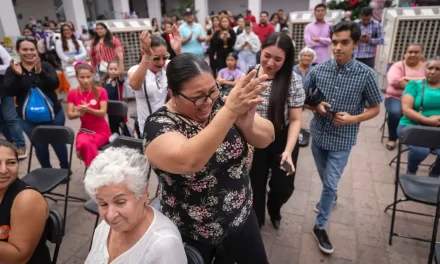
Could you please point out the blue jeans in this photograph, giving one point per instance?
(330, 165)
(394, 109)
(418, 154)
(42, 150)
(246, 59)
(10, 122)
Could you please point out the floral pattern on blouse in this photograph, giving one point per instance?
(217, 200)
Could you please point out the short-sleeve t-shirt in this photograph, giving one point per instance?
(431, 99)
(192, 46)
(230, 75)
(214, 202)
(89, 121)
(295, 97)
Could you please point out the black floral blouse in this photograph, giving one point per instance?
(217, 200)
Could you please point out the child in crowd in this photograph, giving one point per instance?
(113, 82)
(227, 77)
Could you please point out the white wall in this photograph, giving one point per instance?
(236, 6)
(272, 6)
(36, 8)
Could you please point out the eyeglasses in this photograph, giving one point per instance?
(198, 101)
(157, 58)
(26, 38)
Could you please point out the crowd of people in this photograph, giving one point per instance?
(214, 133)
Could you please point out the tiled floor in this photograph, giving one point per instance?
(358, 226)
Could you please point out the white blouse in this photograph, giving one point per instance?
(65, 55)
(161, 244)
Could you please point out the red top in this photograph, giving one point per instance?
(263, 31)
(90, 121)
(102, 52)
(250, 18)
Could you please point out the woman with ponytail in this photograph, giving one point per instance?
(89, 103)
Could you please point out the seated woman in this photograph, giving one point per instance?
(420, 106)
(306, 56)
(132, 232)
(228, 77)
(89, 103)
(411, 67)
(199, 148)
(23, 214)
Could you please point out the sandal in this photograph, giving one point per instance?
(391, 147)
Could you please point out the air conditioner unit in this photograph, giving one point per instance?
(403, 26)
(299, 20)
(128, 32)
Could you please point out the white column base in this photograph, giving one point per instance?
(201, 7)
(120, 8)
(255, 7)
(8, 21)
(76, 13)
(154, 10)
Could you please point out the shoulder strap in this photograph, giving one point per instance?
(146, 96)
(423, 97)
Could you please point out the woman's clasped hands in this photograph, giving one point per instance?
(245, 95)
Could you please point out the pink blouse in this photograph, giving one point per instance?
(395, 75)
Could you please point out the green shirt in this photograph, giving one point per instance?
(431, 101)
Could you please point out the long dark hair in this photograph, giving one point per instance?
(183, 68)
(85, 66)
(281, 83)
(64, 40)
(107, 38)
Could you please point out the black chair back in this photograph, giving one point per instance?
(117, 108)
(129, 142)
(54, 231)
(193, 255)
(421, 136)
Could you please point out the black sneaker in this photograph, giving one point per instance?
(317, 205)
(324, 243)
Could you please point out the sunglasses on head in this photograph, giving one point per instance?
(157, 58)
(26, 38)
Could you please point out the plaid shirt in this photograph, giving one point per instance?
(368, 50)
(295, 97)
(346, 90)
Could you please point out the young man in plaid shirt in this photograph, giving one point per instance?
(344, 86)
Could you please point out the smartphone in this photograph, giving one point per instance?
(330, 110)
(287, 167)
(88, 131)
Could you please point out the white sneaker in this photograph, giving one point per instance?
(22, 153)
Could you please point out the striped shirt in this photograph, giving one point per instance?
(375, 32)
(105, 53)
(346, 90)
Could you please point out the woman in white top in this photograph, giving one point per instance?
(70, 50)
(275, 21)
(132, 232)
(148, 79)
(239, 28)
(247, 45)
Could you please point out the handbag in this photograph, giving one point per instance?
(146, 97)
(103, 66)
(423, 97)
(37, 107)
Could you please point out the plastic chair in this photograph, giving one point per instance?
(121, 141)
(115, 108)
(47, 179)
(54, 231)
(193, 255)
(415, 188)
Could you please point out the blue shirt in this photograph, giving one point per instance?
(297, 71)
(192, 46)
(346, 90)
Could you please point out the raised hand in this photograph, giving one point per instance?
(175, 40)
(119, 53)
(245, 94)
(38, 67)
(145, 39)
(16, 67)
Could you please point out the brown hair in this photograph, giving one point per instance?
(107, 75)
(64, 40)
(220, 22)
(85, 66)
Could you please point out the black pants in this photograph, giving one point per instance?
(242, 247)
(367, 61)
(281, 186)
(258, 55)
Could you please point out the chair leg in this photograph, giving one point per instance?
(96, 224)
(434, 234)
(393, 217)
(389, 206)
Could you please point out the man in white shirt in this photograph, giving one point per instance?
(9, 121)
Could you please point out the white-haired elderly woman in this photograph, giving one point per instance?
(306, 56)
(132, 232)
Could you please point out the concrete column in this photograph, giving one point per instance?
(313, 3)
(255, 7)
(201, 7)
(154, 10)
(76, 13)
(120, 8)
(8, 20)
